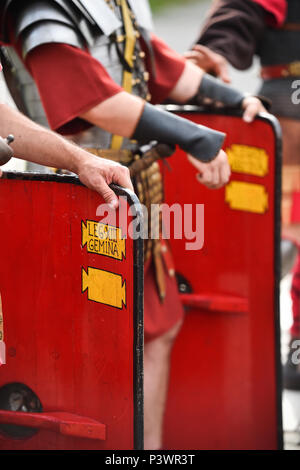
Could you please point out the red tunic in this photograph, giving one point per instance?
(276, 8)
(83, 84)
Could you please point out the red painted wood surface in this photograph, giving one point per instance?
(75, 354)
(223, 392)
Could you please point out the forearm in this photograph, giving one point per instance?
(131, 117)
(188, 83)
(117, 115)
(38, 144)
(121, 113)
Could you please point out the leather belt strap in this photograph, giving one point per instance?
(281, 71)
(123, 156)
(291, 27)
(130, 34)
(135, 161)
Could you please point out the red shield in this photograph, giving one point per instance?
(225, 386)
(72, 319)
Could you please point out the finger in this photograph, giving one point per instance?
(225, 173)
(196, 58)
(203, 49)
(200, 179)
(190, 55)
(250, 112)
(108, 195)
(206, 183)
(121, 177)
(215, 180)
(205, 177)
(219, 63)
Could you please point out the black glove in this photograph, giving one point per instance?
(218, 92)
(162, 126)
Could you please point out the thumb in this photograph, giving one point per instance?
(249, 114)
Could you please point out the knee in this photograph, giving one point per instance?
(162, 346)
(170, 336)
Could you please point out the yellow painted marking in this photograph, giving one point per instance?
(103, 239)
(247, 197)
(104, 287)
(247, 159)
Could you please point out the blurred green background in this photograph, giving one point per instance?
(158, 4)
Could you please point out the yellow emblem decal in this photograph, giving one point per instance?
(247, 159)
(104, 287)
(247, 197)
(103, 239)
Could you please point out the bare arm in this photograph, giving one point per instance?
(121, 113)
(40, 145)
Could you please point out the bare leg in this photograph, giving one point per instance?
(157, 366)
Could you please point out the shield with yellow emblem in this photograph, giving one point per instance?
(225, 378)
